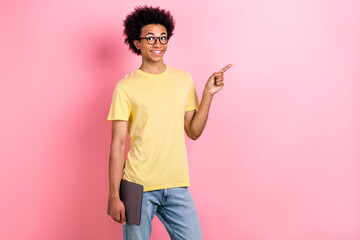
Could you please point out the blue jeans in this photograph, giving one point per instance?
(176, 210)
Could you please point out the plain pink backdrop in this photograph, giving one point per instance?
(279, 157)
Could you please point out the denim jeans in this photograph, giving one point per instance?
(176, 210)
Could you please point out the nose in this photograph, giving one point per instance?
(157, 43)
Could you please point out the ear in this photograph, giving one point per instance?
(136, 43)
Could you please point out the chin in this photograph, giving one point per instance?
(156, 59)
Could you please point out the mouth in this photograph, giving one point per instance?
(156, 52)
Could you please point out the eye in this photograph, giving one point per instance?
(150, 38)
(163, 37)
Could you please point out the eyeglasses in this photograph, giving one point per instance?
(152, 40)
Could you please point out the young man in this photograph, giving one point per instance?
(154, 104)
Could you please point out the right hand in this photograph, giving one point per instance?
(117, 210)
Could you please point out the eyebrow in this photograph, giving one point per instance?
(154, 33)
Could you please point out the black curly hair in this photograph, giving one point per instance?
(144, 15)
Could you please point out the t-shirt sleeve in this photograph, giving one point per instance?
(120, 108)
(192, 101)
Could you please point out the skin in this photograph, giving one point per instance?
(152, 63)
(194, 121)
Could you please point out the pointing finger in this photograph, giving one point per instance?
(226, 68)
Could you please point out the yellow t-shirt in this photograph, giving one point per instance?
(154, 106)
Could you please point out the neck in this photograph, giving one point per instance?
(154, 67)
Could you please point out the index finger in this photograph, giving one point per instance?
(226, 68)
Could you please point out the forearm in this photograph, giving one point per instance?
(199, 121)
(116, 166)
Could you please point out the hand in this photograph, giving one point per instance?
(216, 81)
(117, 210)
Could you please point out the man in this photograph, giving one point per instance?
(154, 104)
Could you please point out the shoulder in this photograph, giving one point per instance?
(125, 80)
(181, 72)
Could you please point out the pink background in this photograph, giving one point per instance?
(279, 157)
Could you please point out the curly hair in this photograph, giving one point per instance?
(142, 16)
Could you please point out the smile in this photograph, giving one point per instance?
(156, 52)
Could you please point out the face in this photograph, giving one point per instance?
(151, 53)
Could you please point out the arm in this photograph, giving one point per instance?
(116, 166)
(195, 121)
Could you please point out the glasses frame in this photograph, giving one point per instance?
(156, 38)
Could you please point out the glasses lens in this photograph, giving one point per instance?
(151, 40)
(163, 39)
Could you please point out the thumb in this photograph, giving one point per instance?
(123, 219)
(213, 76)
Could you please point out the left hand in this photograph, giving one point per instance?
(216, 81)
